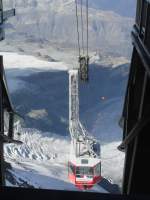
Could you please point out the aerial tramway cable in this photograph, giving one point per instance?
(80, 29)
(83, 59)
(77, 20)
(87, 17)
(82, 26)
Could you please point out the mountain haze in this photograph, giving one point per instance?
(123, 7)
(54, 22)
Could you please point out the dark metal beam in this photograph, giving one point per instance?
(7, 14)
(136, 111)
(5, 104)
(142, 51)
(38, 194)
(2, 179)
(11, 125)
(4, 15)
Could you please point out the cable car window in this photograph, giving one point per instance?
(84, 161)
(84, 171)
(71, 168)
(80, 171)
(88, 171)
(97, 170)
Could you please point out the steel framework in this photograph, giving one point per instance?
(5, 101)
(136, 113)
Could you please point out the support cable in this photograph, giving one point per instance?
(81, 32)
(82, 26)
(87, 18)
(78, 34)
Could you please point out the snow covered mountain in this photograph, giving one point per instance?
(39, 89)
(41, 96)
(53, 22)
(124, 8)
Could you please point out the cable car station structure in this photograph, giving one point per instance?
(5, 101)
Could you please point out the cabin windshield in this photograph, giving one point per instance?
(84, 171)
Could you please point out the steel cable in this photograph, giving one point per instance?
(87, 18)
(78, 34)
(82, 27)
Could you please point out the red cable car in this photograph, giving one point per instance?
(85, 173)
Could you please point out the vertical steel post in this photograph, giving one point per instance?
(11, 125)
(2, 179)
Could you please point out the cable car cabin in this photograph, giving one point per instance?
(84, 173)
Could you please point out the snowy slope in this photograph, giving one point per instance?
(42, 159)
(15, 60)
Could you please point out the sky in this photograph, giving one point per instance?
(123, 7)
